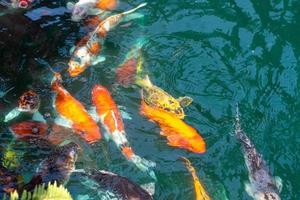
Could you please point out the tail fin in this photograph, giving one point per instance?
(199, 189)
(144, 165)
(12, 114)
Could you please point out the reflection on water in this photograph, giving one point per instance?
(217, 52)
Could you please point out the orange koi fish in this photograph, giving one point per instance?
(29, 128)
(178, 133)
(111, 119)
(72, 110)
(199, 189)
(83, 8)
(87, 51)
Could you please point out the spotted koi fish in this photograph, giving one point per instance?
(111, 119)
(72, 110)
(262, 185)
(178, 133)
(86, 52)
(201, 194)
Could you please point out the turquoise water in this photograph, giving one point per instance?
(217, 52)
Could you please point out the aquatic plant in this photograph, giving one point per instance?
(40, 192)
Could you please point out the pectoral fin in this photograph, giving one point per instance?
(37, 116)
(278, 182)
(93, 113)
(98, 60)
(175, 141)
(185, 101)
(249, 189)
(124, 114)
(63, 122)
(12, 114)
(72, 50)
(149, 187)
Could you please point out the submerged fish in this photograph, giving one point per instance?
(127, 71)
(121, 186)
(158, 98)
(75, 113)
(201, 194)
(17, 3)
(112, 121)
(83, 8)
(9, 180)
(29, 102)
(57, 167)
(87, 51)
(178, 133)
(39, 131)
(262, 185)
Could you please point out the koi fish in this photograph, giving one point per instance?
(9, 180)
(111, 119)
(178, 133)
(29, 102)
(126, 72)
(32, 130)
(262, 185)
(87, 51)
(17, 3)
(75, 113)
(124, 188)
(199, 189)
(83, 8)
(57, 167)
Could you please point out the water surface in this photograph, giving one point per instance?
(217, 52)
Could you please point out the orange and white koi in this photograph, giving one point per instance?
(72, 110)
(86, 52)
(201, 194)
(83, 8)
(111, 119)
(178, 133)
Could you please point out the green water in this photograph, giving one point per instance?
(217, 52)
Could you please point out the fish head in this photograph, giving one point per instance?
(267, 196)
(197, 145)
(79, 61)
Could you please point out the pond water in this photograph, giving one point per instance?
(218, 52)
